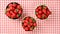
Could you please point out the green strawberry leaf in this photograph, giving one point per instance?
(28, 22)
(16, 10)
(19, 15)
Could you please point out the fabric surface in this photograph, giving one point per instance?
(47, 26)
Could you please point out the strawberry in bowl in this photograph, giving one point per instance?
(29, 23)
(42, 12)
(14, 10)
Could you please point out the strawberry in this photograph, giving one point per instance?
(39, 8)
(26, 28)
(25, 24)
(12, 8)
(40, 12)
(10, 5)
(48, 13)
(43, 15)
(27, 18)
(18, 7)
(25, 21)
(30, 20)
(31, 24)
(8, 14)
(35, 24)
(20, 12)
(39, 16)
(44, 11)
(14, 5)
(16, 16)
(16, 11)
(13, 15)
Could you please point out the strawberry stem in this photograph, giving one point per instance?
(16, 10)
(28, 22)
(19, 15)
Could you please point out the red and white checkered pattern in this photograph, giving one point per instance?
(47, 26)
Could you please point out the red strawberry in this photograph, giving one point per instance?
(10, 5)
(13, 15)
(30, 20)
(20, 12)
(43, 15)
(40, 12)
(27, 18)
(39, 8)
(18, 7)
(12, 8)
(35, 24)
(31, 24)
(26, 28)
(17, 16)
(44, 11)
(14, 5)
(11, 12)
(48, 12)
(25, 21)
(39, 16)
(25, 24)
(8, 14)
(16, 11)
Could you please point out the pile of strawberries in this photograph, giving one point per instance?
(14, 10)
(29, 23)
(42, 12)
